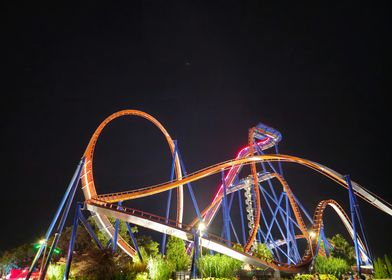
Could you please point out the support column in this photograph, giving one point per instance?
(242, 217)
(163, 244)
(195, 254)
(72, 241)
(352, 210)
(116, 229)
(225, 210)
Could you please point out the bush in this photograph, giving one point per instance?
(141, 276)
(176, 254)
(303, 277)
(220, 266)
(56, 271)
(382, 268)
(262, 251)
(331, 265)
(158, 268)
(327, 277)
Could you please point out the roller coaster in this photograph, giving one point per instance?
(267, 209)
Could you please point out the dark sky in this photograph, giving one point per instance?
(208, 71)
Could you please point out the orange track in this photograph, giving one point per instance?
(252, 235)
(87, 178)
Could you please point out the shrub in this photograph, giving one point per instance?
(262, 251)
(388, 265)
(331, 265)
(141, 276)
(303, 277)
(220, 266)
(327, 277)
(176, 254)
(382, 268)
(158, 268)
(55, 271)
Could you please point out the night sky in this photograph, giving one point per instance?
(208, 72)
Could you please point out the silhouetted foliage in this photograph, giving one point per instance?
(342, 249)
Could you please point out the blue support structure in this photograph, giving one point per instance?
(264, 236)
(303, 210)
(116, 228)
(195, 254)
(276, 220)
(190, 188)
(231, 222)
(163, 244)
(317, 249)
(61, 223)
(134, 241)
(287, 228)
(110, 241)
(115, 237)
(273, 218)
(225, 210)
(242, 217)
(80, 217)
(284, 218)
(87, 226)
(264, 192)
(71, 186)
(327, 245)
(130, 233)
(368, 254)
(353, 222)
(72, 241)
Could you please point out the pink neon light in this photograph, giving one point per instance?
(235, 168)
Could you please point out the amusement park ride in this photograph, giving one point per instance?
(269, 212)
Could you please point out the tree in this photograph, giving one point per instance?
(342, 249)
(83, 241)
(149, 246)
(176, 254)
(96, 264)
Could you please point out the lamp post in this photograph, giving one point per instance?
(312, 235)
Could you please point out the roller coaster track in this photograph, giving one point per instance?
(216, 243)
(87, 179)
(103, 205)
